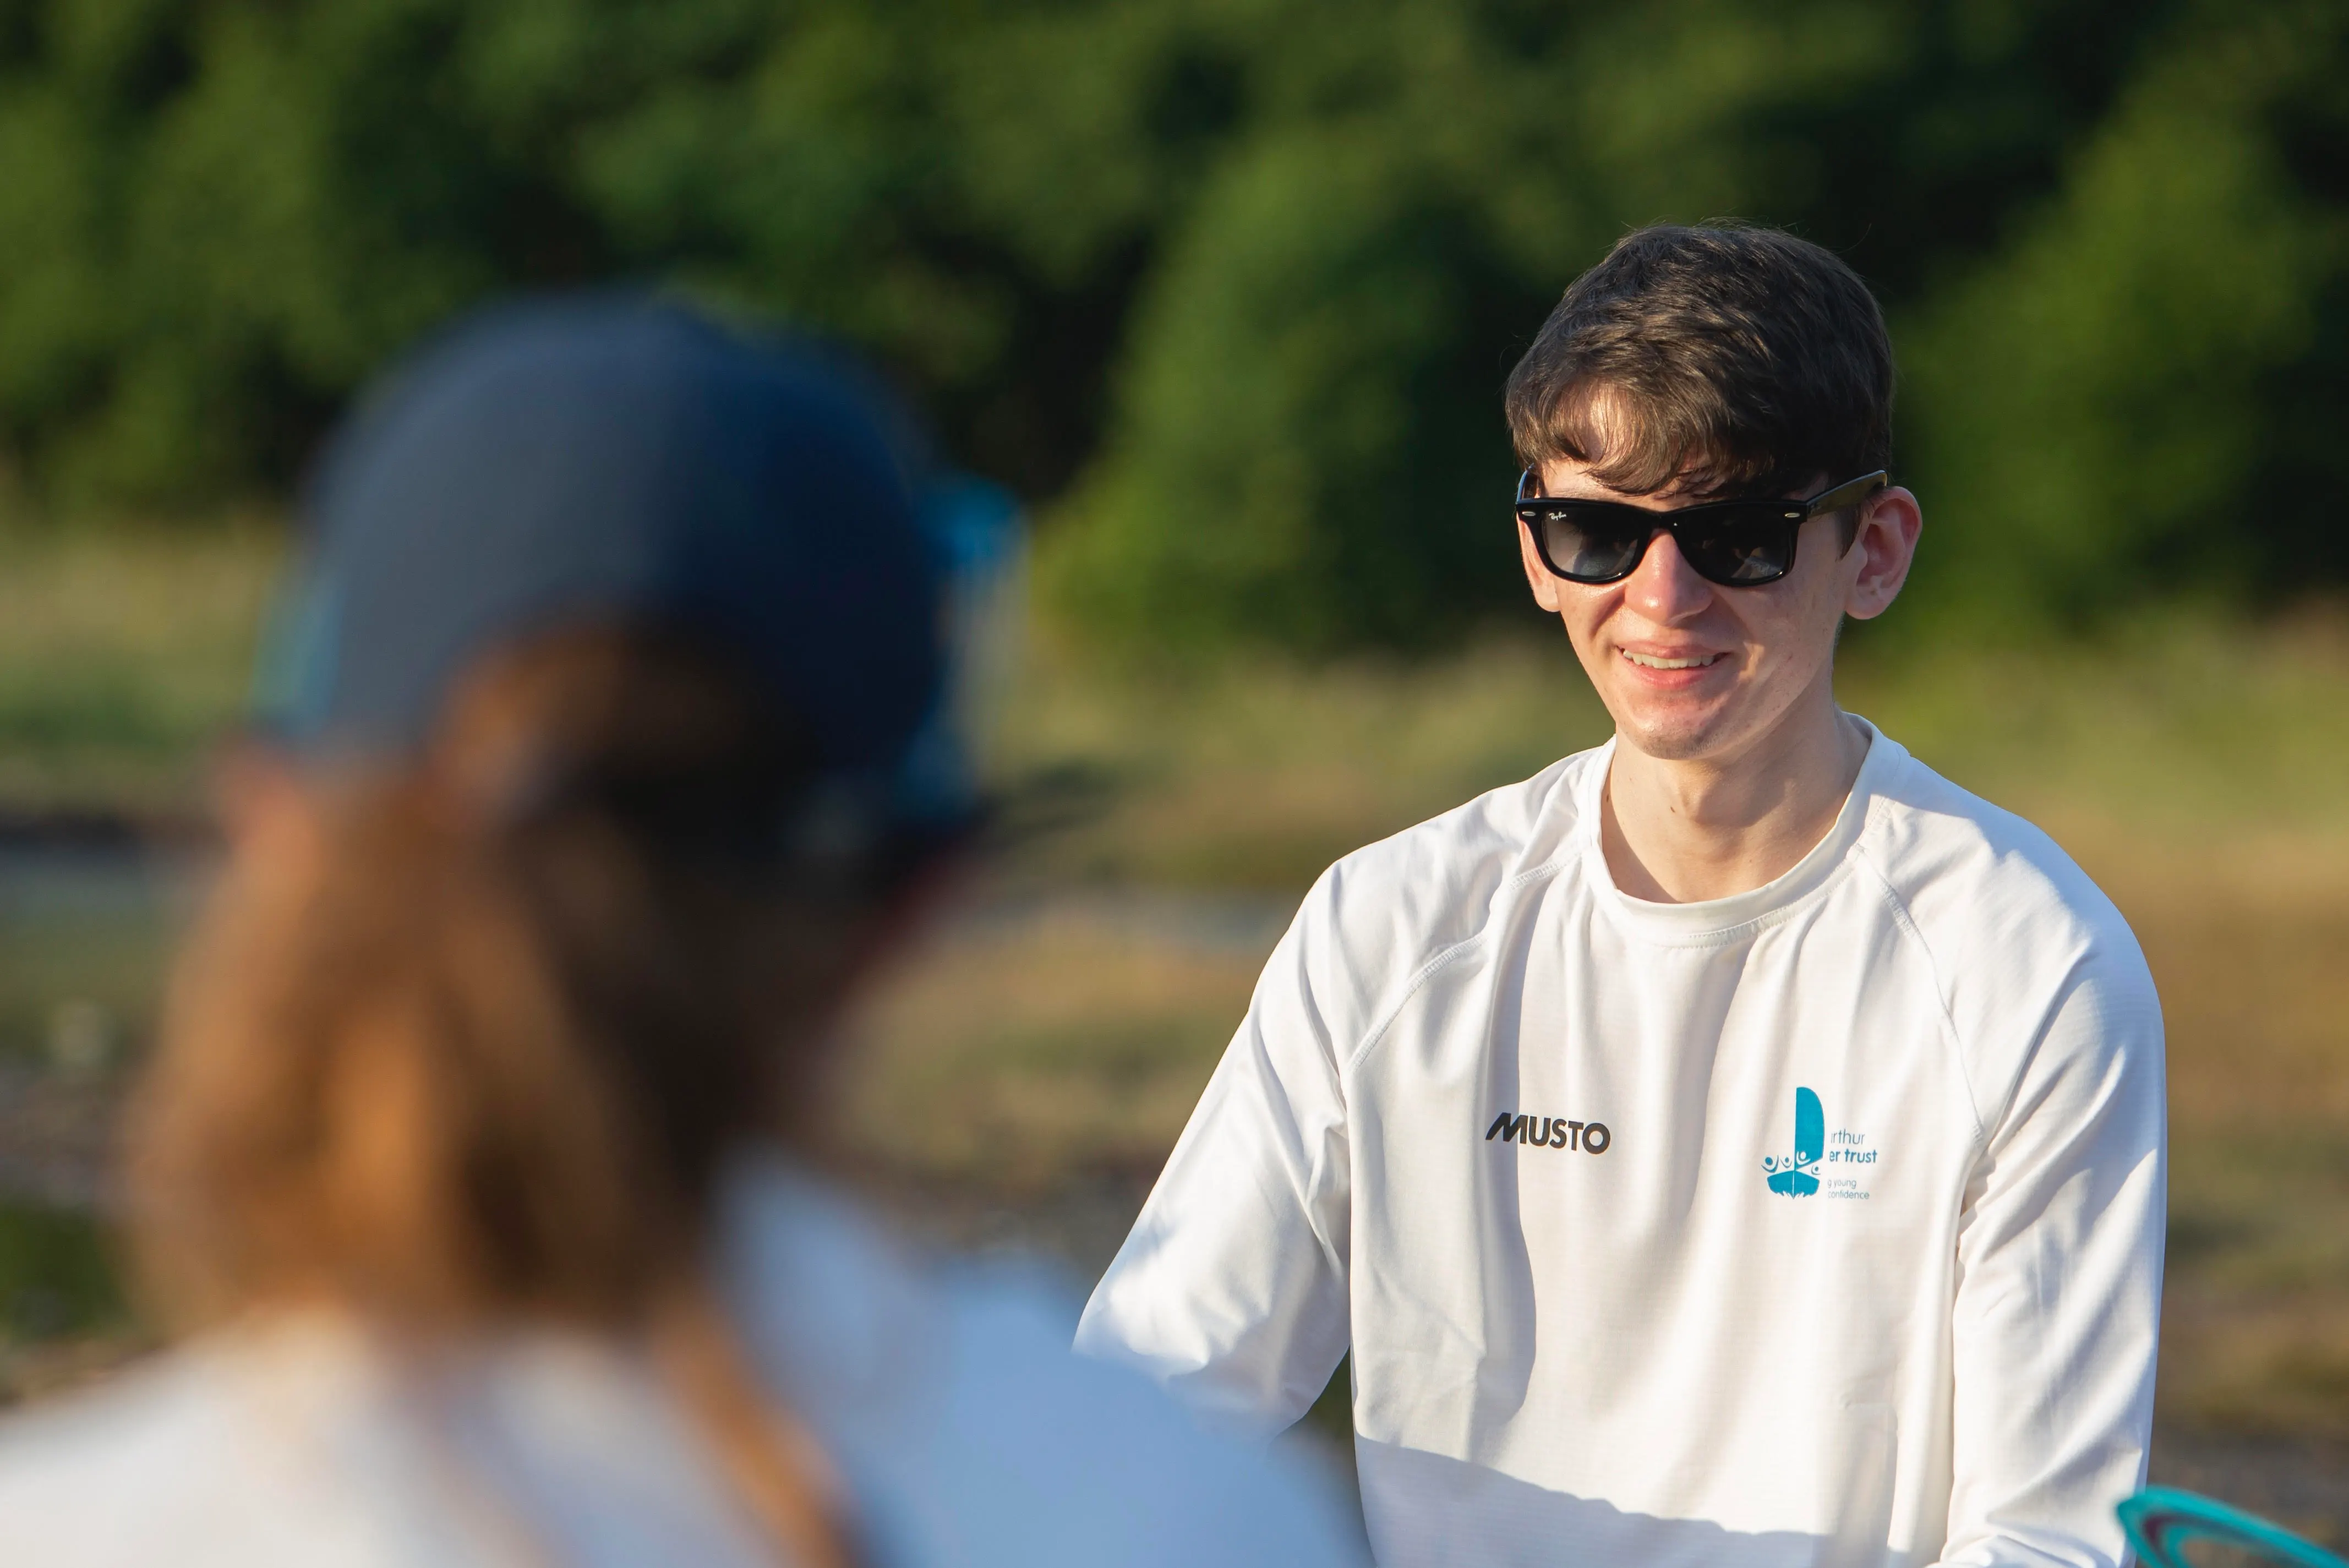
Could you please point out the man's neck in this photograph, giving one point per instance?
(1681, 832)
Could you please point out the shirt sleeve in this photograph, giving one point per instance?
(2059, 1284)
(1231, 1290)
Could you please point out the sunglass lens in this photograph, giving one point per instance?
(1737, 551)
(1586, 544)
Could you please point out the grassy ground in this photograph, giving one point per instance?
(1053, 1037)
(120, 656)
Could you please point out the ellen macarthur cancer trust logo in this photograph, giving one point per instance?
(1792, 1176)
(1797, 1175)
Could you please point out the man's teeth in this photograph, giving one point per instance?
(1650, 661)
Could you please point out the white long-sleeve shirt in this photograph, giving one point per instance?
(1821, 1224)
(967, 1435)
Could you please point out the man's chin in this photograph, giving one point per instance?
(1682, 737)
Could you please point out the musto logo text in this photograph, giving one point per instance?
(1550, 1132)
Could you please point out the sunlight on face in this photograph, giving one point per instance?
(1692, 671)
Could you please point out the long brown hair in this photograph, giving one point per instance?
(471, 1046)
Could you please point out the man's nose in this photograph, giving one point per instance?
(1663, 587)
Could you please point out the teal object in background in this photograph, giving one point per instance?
(2162, 1523)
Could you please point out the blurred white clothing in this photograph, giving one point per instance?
(944, 1393)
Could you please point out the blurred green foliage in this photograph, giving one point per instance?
(1229, 285)
(57, 1275)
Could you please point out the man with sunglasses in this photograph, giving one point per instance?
(1735, 1145)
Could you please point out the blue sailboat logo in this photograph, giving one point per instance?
(1792, 1176)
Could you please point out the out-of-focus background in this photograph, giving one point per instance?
(1225, 291)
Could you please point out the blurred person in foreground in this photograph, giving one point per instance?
(1733, 1145)
(607, 758)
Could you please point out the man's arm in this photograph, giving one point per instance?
(2059, 1284)
(1232, 1288)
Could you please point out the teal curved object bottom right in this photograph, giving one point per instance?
(2163, 1521)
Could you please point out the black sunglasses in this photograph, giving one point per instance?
(1736, 543)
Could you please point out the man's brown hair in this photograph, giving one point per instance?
(1745, 360)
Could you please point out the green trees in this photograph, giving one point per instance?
(2142, 383)
(1229, 287)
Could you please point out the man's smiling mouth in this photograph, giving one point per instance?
(1656, 662)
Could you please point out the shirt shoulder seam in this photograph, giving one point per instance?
(1438, 961)
(1907, 924)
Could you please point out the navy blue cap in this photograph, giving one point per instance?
(607, 458)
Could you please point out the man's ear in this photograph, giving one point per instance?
(1537, 577)
(1886, 543)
